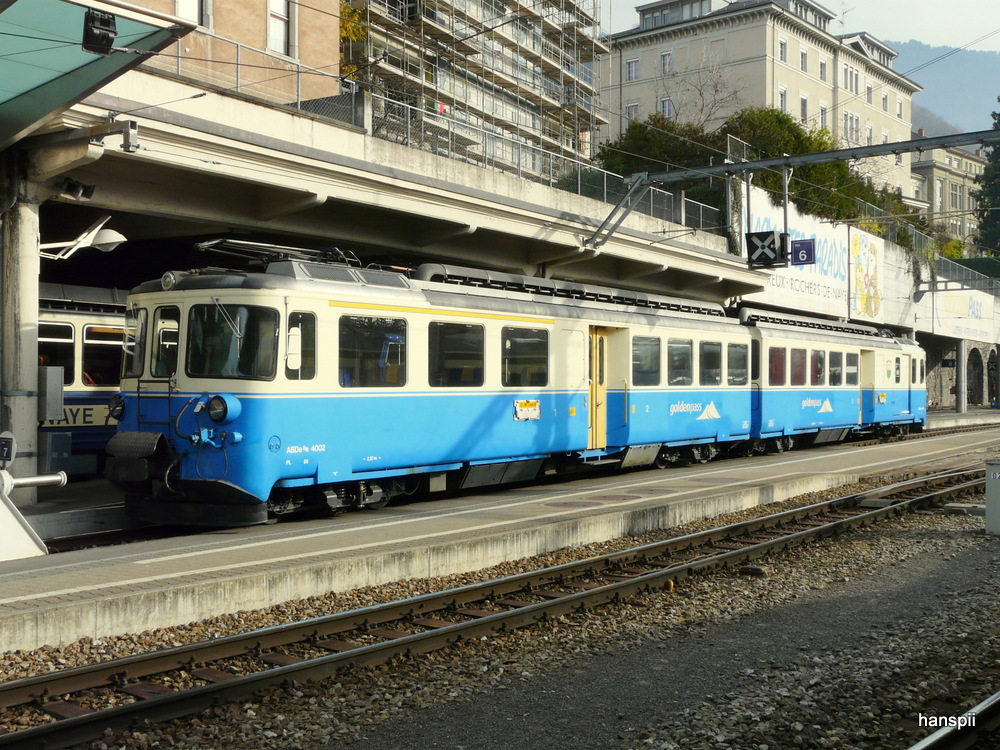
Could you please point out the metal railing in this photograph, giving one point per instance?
(278, 81)
(245, 71)
(445, 136)
(951, 271)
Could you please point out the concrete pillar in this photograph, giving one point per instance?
(961, 377)
(19, 336)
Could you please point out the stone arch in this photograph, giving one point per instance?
(974, 374)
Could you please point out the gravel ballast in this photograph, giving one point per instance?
(828, 649)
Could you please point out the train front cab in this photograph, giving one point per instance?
(893, 392)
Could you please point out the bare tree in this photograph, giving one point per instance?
(703, 94)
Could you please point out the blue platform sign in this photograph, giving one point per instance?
(803, 252)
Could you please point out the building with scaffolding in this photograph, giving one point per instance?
(517, 75)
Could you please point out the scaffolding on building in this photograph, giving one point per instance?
(520, 69)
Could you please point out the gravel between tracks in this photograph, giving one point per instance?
(818, 653)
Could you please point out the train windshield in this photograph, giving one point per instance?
(135, 342)
(232, 341)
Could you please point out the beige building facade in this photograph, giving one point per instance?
(943, 179)
(701, 61)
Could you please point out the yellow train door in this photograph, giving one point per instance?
(597, 428)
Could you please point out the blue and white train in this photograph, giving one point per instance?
(81, 330)
(247, 395)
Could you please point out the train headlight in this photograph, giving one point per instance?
(169, 280)
(116, 407)
(224, 408)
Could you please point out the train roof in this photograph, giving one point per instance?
(313, 276)
(755, 317)
(72, 297)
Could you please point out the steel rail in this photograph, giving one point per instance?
(979, 722)
(438, 634)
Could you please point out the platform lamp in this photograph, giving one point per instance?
(96, 236)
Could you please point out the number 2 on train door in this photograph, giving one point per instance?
(597, 433)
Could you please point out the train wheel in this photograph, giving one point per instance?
(666, 458)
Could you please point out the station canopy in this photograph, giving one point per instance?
(43, 66)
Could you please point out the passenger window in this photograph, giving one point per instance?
(836, 368)
(166, 322)
(851, 369)
(524, 357)
(818, 368)
(372, 352)
(102, 355)
(798, 374)
(776, 356)
(455, 356)
(710, 361)
(899, 376)
(135, 342)
(306, 325)
(645, 360)
(55, 348)
(922, 373)
(755, 361)
(913, 370)
(680, 365)
(736, 364)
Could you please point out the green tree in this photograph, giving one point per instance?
(987, 197)
(352, 29)
(830, 190)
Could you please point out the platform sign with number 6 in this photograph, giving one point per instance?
(803, 252)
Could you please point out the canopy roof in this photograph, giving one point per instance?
(43, 66)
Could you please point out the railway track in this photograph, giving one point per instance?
(972, 728)
(77, 705)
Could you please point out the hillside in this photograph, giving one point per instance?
(960, 89)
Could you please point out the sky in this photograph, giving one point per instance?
(896, 20)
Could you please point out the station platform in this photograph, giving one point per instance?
(133, 587)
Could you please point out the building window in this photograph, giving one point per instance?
(885, 102)
(869, 93)
(899, 108)
(666, 107)
(822, 70)
(870, 136)
(823, 117)
(631, 70)
(956, 195)
(783, 99)
(278, 26)
(632, 111)
(666, 63)
(804, 61)
(783, 50)
(804, 109)
(190, 10)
